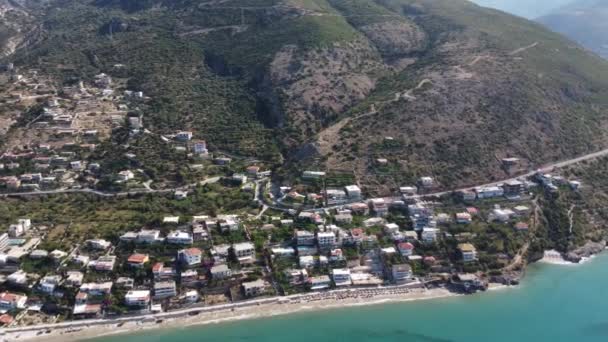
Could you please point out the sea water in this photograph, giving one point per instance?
(554, 303)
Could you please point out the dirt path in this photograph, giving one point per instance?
(519, 260)
(477, 59)
(522, 49)
(235, 28)
(571, 217)
(408, 94)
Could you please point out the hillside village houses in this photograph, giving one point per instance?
(320, 248)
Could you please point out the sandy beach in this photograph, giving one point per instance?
(256, 309)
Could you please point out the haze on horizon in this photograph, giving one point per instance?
(530, 9)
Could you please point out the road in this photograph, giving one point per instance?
(278, 206)
(108, 193)
(542, 169)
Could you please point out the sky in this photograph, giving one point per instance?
(526, 8)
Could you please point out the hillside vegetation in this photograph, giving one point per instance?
(324, 82)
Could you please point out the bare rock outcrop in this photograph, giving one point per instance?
(318, 84)
(396, 38)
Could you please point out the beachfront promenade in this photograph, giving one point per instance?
(11, 334)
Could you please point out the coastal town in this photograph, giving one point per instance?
(315, 237)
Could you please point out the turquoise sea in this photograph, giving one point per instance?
(554, 303)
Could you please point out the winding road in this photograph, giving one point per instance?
(275, 205)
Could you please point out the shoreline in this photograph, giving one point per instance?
(552, 257)
(265, 308)
(255, 309)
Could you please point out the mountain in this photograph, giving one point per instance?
(524, 8)
(435, 87)
(585, 21)
(17, 23)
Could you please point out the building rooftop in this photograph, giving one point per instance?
(466, 247)
(138, 258)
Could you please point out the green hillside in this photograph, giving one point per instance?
(324, 82)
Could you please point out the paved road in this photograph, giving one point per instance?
(278, 206)
(110, 194)
(542, 169)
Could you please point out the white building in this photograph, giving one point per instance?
(429, 234)
(345, 218)
(408, 190)
(401, 273)
(305, 238)
(20, 228)
(341, 277)
(489, 192)
(379, 207)
(307, 261)
(254, 288)
(49, 283)
(353, 191)
(125, 175)
(184, 136)
(229, 224)
(74, 278)
(165, 289)
(18, 278)
(200, 148)
(191, 296)
(139, 298)
(191, 256)
(468, 252)
(149, 236)
(180, 195)
(103, 264)
(313, 174)
(99, 244)
(426, 182)
(245, 252)
(283, 252)
(320, 283)
(221, 271)
(501, 215)
(391, 228)
(97, 289)
(180, 238)
(326, 239)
